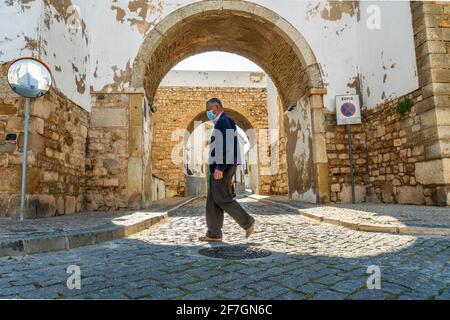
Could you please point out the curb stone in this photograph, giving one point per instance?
(86, 237)
(367, 227)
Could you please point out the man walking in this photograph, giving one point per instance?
(222, 167)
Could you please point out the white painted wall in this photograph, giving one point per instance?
(17, 24)
(66, 47)
(219, 79)
(387, 59)
(343, 46)
(17, 36)
(58, 35)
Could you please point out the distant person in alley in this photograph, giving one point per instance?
(223, 160)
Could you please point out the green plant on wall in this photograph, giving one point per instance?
(404, 106)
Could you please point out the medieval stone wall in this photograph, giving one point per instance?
(338, 160)
(431, 25)
(179, 106)
(387, 157)
(107, 158)
(392, 153)
(279, 180)
(56, 155)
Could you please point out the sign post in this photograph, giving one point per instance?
(29, 78)
(24, 161)
(348, 112)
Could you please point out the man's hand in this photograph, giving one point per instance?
(218, 175)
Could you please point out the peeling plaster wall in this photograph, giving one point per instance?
(54, 31)
(336, 32)
(19, 27)
(299, 155)
(387, 57)
(99, 55)
(65, 46)
(117, 38)
(331, 32)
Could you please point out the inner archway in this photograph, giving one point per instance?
(262, 36)
(182, 109)
(196, 171)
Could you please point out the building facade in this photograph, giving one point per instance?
(91, 136)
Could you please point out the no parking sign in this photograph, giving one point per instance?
(348, 110)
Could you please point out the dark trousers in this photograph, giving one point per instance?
(220, 199)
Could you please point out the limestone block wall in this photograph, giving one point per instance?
(389, 150)
(431, 24)
(178, 107)
(118, 170)
(56, 155)
(279, 181)
(394, 149)
(107, 157)
(338, 160)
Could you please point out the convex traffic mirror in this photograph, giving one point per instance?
(29, 78)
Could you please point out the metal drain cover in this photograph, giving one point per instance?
(235, 252)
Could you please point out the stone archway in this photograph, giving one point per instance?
(264, 37)
(180, 109)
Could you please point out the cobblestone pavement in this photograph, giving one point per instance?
(309, 261)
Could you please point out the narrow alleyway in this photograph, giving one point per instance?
(309, 260)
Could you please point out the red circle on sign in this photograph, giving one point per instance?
(348, 109)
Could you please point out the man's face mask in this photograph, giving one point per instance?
(210, 115)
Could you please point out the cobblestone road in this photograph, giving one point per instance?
(309, 261)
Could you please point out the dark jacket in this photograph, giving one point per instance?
(224, 148)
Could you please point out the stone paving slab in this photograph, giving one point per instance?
(373, 217)
(72, 231)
